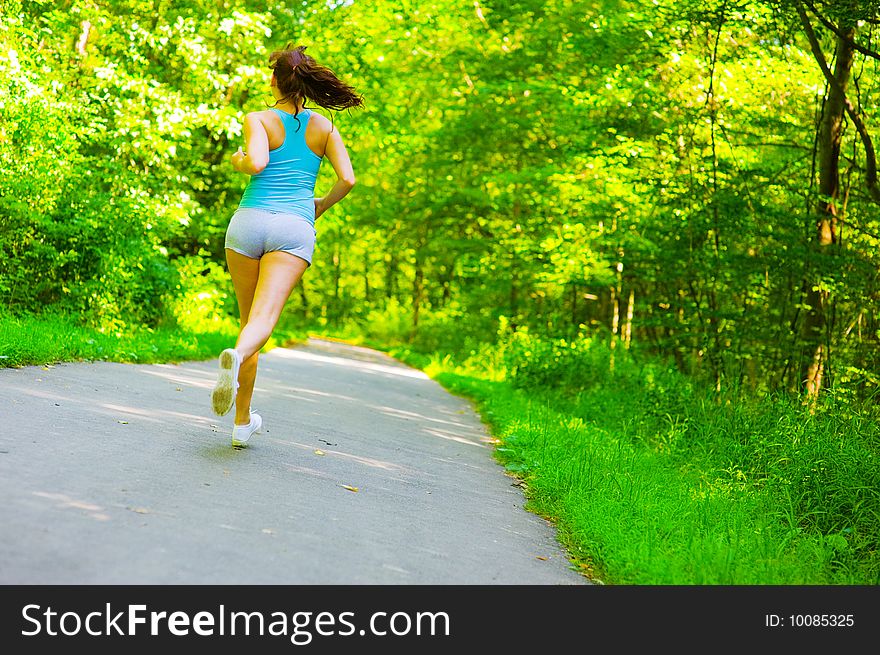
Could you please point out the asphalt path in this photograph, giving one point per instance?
(367, 472)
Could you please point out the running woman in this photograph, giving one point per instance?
(271, 236)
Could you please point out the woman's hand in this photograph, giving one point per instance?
(237, 157)
(319, 207)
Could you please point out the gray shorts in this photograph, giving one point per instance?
(254, 232)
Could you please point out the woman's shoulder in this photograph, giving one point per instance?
(267, 117)
(262, 114)
(321, 121)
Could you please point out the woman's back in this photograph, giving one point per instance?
(287, 183)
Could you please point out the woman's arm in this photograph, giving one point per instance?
(338, 156)
(257, 142)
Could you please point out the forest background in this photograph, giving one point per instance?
(642, 234)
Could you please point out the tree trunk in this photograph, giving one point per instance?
(815, 353)
(366, 278)
(83, 40)
(418, 286)
(390, 275)
(615, 314)
(514, 265)
(627, 327)
(514, 295)
(616, 292)
(615, 321)
(304, 297)
(447, 287)
(337, 273)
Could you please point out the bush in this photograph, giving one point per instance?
(390, 325)
(541, 362)
(452, 330)
(204, 298)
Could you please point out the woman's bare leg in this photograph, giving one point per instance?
(245, 272)
(261, 291)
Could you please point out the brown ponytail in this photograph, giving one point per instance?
(300, 77)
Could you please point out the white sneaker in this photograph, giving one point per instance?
(241, 433)
(223, 396)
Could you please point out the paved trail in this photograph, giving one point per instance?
(119, 473)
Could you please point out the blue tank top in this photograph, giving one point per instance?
(287, 184)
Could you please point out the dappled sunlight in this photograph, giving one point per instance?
(106, 409)
(347, 349)
(64, 501)
(189, 377)
(401, 413)
(296, 468)
(367, 367)
(368, 461)
(455, 437)
(194, 418)
(114, 410)
(294, 397)
(42, 394)
(149, 414)
(296, 391)
(64, 402)
(322, 393)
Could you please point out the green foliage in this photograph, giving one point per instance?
(389, 325)
(205, 301)
(655, 481)
(549, 162)
(48, 339)
(571, 365)
(111, 153)
(634, 173)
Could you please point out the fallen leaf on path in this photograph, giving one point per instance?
(123, 422)
(178, 389)
(541, 557)
(318, 451)
(349, 487)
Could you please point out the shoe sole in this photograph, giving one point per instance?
(243, 444)
(223, 395)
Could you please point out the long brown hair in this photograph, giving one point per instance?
(300, 77)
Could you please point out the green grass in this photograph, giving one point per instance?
(656, 483)
(648, 478)
(32, 340)
(632, 516)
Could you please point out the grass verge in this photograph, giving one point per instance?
(35, 340)
(629, 512)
